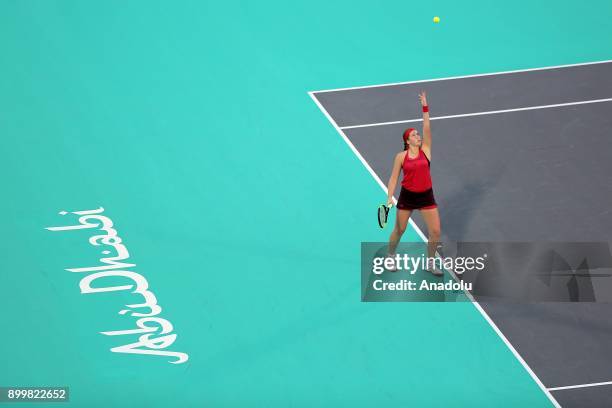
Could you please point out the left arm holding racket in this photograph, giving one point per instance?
(383, 210)
(397, 166)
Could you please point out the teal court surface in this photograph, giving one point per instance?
(183, 219)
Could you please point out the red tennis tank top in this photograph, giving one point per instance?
(417, 177)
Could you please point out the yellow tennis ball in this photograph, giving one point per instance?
(436, 19)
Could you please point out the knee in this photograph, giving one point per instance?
(400, 230)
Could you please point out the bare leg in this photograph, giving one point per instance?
(432, 219)
(401, 221)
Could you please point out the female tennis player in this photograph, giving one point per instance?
(417, 193)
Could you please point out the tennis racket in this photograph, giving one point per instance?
(383, 214)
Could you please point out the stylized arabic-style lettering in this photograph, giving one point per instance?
(152, 347)
(149, 345)
(83, 220)
(150, 302)
(166, 327)
(141, 282)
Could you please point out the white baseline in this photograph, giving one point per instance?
(465, 76)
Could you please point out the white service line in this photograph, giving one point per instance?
(463, 115)
(466, 76)
(424, 238)
(569, 387)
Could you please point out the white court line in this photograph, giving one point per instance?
(569, 387)
(463, 115)
(465, 76)
(424, 238)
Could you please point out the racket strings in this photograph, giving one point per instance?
(382, 216)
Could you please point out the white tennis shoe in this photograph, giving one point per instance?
(435, 271)
(458, 273)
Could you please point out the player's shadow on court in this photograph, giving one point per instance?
(458, 209)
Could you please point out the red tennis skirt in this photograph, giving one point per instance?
(410, 200)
